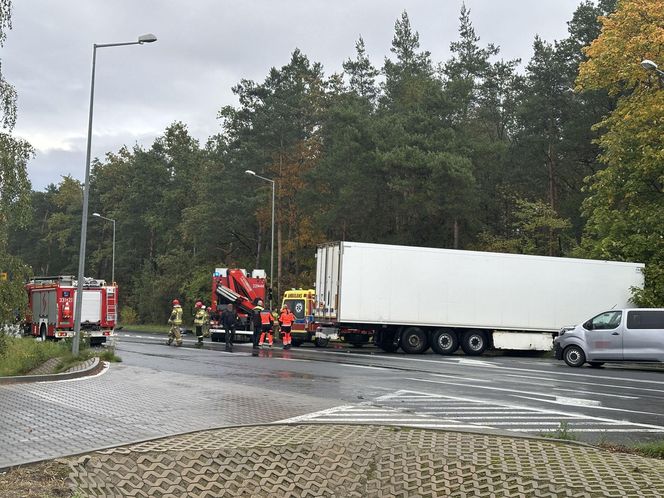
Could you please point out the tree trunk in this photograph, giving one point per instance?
(258, 248)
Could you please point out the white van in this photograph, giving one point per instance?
(615, 335)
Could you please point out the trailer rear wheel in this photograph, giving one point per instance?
(386, 340)
(445, 341)
(414, 340)
(474, 342)
(321, 342)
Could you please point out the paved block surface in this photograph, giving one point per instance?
(129, 404)
(343, 460)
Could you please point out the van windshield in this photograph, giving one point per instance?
(607, 321)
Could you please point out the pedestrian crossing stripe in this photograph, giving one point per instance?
(425, 410)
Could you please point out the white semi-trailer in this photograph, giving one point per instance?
(419, 297)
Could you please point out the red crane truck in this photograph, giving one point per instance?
(234, 286)
(51, 302)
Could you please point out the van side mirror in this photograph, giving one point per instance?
(588, 325)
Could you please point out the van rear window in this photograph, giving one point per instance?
(645, 319)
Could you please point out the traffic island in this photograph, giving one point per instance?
(360, 460)
(91, 366)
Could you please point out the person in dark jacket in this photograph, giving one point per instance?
(257, 322)
(229, 321)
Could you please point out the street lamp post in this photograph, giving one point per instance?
(253, 173)
(651, 66)
(97, 215)
(148, 38)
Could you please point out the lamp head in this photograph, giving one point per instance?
(147, 38)
(250, 172)
(96, 214)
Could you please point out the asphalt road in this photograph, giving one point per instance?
(534, 395)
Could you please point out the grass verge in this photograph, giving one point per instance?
(653, 449)
(162, 329)
(19, 355)
(69, 360)
(42, 480)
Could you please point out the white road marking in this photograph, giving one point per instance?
(364, 366)
(512, 391)
(595, 384)
(456, 377)
(483, 415)
(563, 400)
(621, 396)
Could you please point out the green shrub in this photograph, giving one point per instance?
(128, 316)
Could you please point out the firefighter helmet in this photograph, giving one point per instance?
(176, 302)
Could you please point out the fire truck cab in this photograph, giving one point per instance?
(51, 302)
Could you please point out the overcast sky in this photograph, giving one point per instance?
(204, 47)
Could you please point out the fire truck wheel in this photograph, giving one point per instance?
(445, 341)
(414, 340)
(357, 344)
(474, 342)
(42, 332)
(296, 343)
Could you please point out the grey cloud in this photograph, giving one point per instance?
(205, 47)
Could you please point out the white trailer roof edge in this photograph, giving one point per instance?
(482, 253)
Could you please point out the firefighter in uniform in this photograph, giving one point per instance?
(199, 321)
(175, 321)
(206, 326)
(256, 322)
(267, 321)
(286, 319)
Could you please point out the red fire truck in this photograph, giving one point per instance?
(234, 286)
(51, 302)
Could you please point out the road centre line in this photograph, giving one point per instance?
(445, 361)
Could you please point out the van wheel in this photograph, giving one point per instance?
(414, 340)
(445, 341)
(596, 364)
(574, 356)
(42, 332)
